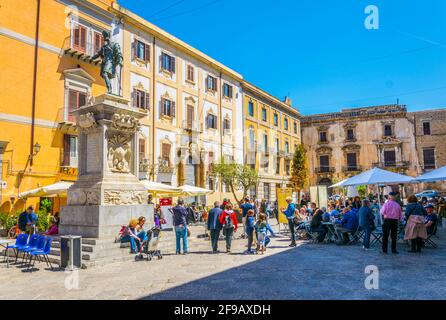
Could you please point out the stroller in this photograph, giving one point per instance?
(149, 246)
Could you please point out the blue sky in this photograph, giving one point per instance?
(318, 52)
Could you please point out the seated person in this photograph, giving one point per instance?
(333, 211)
(53, 229)
(326, 217)
(131, 235)
(317, 226)
(300, 218)
(431, 219)
(348, 224)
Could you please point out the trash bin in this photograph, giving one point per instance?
(70, 252)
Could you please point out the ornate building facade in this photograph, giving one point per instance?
(343, 144)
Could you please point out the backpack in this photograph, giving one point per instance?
(228, 222)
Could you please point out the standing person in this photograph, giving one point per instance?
(289, 213)
(303, 200)
(256, 204)
(356, 204)
(27, 221)
(392, 214)
(246, 206)
(214, 225)
(180, 222)
(366, 222)
(250, 230)
(312, 209)
(415, 230)
(228, 219)
(261, 232)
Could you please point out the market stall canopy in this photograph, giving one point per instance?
(161, 189)
(192, 191)
(435, 175)
(57, 189)
(339, 184)
(376, 176)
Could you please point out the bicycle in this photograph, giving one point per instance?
(13, 232)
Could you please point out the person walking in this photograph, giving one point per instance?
(289, 213)
(228, 220)
(246, 206)
(261, 233)
(214, 225)
(250, 230)
(392, 215)
(366, 222)
(180, 213)
(415, 230)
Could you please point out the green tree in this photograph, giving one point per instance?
(299, 174)
(236, 176)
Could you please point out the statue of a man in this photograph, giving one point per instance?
(111, 56)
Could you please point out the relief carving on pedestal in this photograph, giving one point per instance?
(86, 121)
(119, 153)
(82, 198)
(124, 197)
(125, 122)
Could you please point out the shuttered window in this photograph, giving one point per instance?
(79, 37)
(190, 73)
(76, 99)
(227, 90)
(98, 41)
(141, 51)
(142, 149)
(211, 83)
(167, 107)
(429, 158)
(211, 121)
(69, 151)
(165, 152)
(167, 62)
(141, 99)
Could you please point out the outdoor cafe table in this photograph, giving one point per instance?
(4, 243)
(331, 231)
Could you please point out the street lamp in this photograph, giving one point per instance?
(36, 149)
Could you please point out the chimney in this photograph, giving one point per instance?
(288, 101)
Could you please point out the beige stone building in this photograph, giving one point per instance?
(343, 144)
(430, 142)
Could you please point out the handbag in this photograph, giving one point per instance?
(188, 232)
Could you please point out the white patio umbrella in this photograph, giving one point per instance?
(435, 175)
(192, 191)
(339, 184)
(57, 189)
(160, 189)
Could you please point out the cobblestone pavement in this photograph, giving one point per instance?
(309, 271)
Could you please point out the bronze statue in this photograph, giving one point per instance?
(111, 56)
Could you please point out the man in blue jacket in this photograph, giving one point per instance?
(214, 225)
(289, 213)
(348, 224)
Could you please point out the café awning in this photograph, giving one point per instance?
(376, 176)
(57, 189)
(161, 189)
(192, 191)
(433, 176)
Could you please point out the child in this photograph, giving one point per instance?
(228, 220)
(261, 232)
(250, 229)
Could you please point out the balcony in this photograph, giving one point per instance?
(324, 169)
(392, 164)
(82, 52)
(352, 168)
(193, 126)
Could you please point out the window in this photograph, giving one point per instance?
(276, 119)
(323, 136)
(98, 41)
(285, 123)
(265, 143)
(141, 51)
(350, 135)
(76, 99)
(167, 63)
(165, 153)
(388, 130)
(141, 99)
(264, 118)
(266, 191)
(264, 163)
(211, 121)
(79, 37)
(251, 109)
(429, 158)
(211, 83)
(277, 145)
(352, 162)
(190, 76)
(142, 149)
(324, 163)
(295, 127)
(251, 138)
(227, 90)
(287, 147)
(278, 166)
(389, 158)
(226, 124)
(70, 151)
(287, 167)
(211, 183)
(167, 107)
(426, 128)
(211, 160)
(190, 111)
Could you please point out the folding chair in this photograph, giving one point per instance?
(376, 236)
(429, 242)
(356, 236)
(312, 236)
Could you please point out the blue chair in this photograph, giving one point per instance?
(32, 243)
(39, 245)
(44, 252)
(20, 242)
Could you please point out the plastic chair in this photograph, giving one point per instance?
(20, 242)
(44, 252)
(40, 245)
(33, 240)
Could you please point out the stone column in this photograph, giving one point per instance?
(108, 192)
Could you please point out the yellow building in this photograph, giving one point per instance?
(45, 73)
(193, 103)
(272, 134)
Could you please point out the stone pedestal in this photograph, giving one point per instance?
(107, 193)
